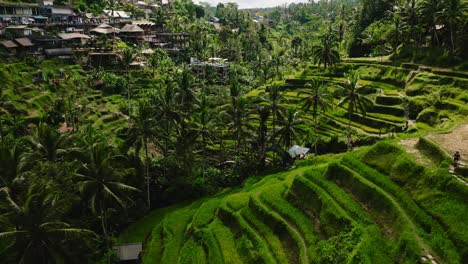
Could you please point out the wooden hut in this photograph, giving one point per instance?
(132, 33)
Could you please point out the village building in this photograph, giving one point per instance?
(18, 13)
(217, 68)
(105, 29)
(132, 33)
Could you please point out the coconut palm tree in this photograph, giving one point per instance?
(316, 98)
(186, 90)
(278, 60)
(37, 232)
(48, 144)
(263, 113)
(397, 30)
(354, 98)
(409, 16)
(166, 112)
(452, 16)
(128, 56)
(237, 115)
(206, 120)
(13, 165)
(326, 53)
(100, 182)
(428, 11)
(140, 133)
(275, 98)
(292, 127)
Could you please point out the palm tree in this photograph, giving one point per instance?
(291, 127)
(101, 182)
(429, 10)
(275, 98)
(397, 30)
(316, 98)
(326, 53)
(239, 123)
(140, 132)
(127, 57)
(48, 143)
(409, 16)
(206, 121)
(37, 232)
(263, 114)
(13, 165)
(186, 89)
(166, 111)
(277, 61)
(354, 98)
(452, 15)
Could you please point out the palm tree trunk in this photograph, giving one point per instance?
(148, 197)
(104, 232)
(452, 42)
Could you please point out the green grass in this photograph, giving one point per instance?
(361, 206)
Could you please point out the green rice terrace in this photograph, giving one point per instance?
(375, 205)
(397, 201)
(193, 132)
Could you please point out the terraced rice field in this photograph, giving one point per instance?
(333, 209)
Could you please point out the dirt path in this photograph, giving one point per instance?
(456, 139)
(410, 146)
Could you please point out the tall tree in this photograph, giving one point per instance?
(316, 98)
(13, 165)
(186, 90)
(128, 56)
(355, 100)
(326, 53)
(48, 143)
(275, 98)
(140, 133)
(237, 115)
(452, 16)
(428, 11)
(263, 113)
(100, 181)
(292, 127)
(37, 232)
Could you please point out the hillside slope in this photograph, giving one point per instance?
(375, 205)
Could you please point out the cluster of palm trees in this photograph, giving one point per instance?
(443, 22)
(50, 184)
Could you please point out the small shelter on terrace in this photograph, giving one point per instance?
(9, 45)
(25, 44)
(105, 29)
(132, 33)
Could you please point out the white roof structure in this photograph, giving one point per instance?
(297, 151)
(117, 13)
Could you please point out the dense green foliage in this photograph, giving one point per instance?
(87, 150)
(329, 210)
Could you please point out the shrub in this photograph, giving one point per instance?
(429, 116)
